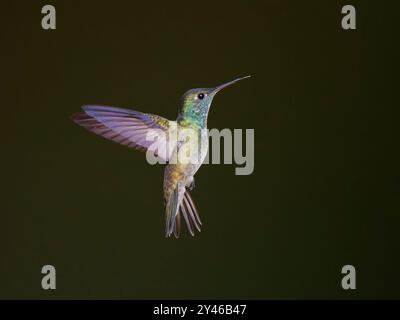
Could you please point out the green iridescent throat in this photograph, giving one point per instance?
(192, 115)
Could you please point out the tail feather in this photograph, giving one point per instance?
(187, 219)
(171, 212)
(192, 205)
(188, 210)
(177, 229)
(185, 204)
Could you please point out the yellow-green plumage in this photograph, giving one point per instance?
(130, 128)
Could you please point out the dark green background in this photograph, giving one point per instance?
(325, 190)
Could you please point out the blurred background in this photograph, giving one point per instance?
(324, 192)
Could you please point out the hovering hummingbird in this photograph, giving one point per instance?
(131, 128)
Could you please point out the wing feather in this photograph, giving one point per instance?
(126, 127)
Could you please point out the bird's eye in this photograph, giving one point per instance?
(200, 96)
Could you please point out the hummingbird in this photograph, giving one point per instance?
(130, 128)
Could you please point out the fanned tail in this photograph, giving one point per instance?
(188, 210)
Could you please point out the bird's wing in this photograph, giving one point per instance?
(131, 128)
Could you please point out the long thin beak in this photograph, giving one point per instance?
(216, 89)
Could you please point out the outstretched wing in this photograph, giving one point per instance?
(127, 127)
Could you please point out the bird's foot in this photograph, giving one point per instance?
(191, 185)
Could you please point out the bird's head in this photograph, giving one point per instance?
(195, 103)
